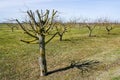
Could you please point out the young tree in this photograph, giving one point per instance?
(105, 22)
(108, 26)
(11, 25)
(90, 25)
(40, 23)
(61, 29)
(108, 29)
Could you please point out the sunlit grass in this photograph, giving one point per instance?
(19, 61)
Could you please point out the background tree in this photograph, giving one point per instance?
(40, 23)
(11, 25)
(90, 25)
(61, 29)
(108, 26)
(73, 22)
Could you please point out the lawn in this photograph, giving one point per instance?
(92, 58)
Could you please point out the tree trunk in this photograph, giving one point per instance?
(42, 58)
(12, 29)
(61, 37)
(90, 33)
(108, 32)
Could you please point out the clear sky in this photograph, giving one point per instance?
(67, 8)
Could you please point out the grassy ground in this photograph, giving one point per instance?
(98, 57)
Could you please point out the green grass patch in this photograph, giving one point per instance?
(116, 78)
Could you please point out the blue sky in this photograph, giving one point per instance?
(68, 8)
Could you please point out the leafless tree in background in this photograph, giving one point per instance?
(61, 29)
(90, 25)
(108, 25)
(12, 25)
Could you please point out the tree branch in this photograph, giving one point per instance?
(40, 20)
(51, 38)
(29, 42)
(26, 30)
(32, 17)
(33, 27)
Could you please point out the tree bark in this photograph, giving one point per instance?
(42, 58)
(12, 29)
(90, 33)
(61, 37)
(108, 32)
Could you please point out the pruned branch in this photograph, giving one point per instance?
(51, 24)
(33, 26)
(22, 26)
(51, 38)
(29, 41)
(32, 17)
(39, 17)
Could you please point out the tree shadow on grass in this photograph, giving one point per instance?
(66, 40)
(84, 66)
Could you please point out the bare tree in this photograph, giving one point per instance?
(108, 26)
(90, 25)
(73, 22)
(11, 25)
(40, 23)
(61, 29)
(105, 22)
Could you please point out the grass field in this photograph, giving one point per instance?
(98, 55)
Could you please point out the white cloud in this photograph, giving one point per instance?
(6, 3)
(15, 3)
(13, 8)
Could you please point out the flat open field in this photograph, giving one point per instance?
(77, 57)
